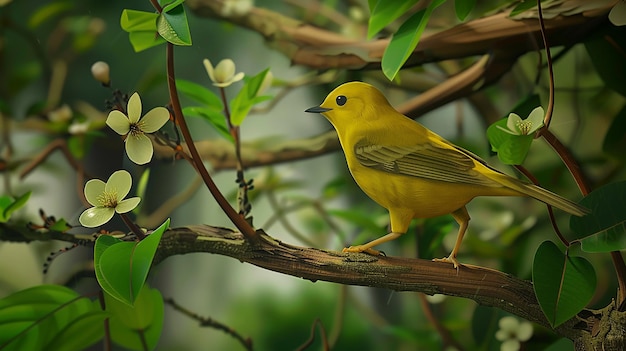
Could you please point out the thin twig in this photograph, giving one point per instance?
(59, 144)
(241, 224)
(550, 108)
(106, 341)
(311, 338)
(211, 323)
(446, 337)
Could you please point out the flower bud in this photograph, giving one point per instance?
(101, 72)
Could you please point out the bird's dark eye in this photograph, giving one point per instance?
(341, 100)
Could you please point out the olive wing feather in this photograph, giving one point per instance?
(426, 161)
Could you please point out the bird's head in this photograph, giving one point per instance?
(352, 103)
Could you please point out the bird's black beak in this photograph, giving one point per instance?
(317, 109)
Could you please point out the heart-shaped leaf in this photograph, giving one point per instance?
(122, 267)
(563, 284)
(604, 230)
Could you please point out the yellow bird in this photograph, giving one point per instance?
(411, 171)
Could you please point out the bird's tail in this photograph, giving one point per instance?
(553, 199)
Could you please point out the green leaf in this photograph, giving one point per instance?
(169, 6)
(562, 344)
(60, 225)
(215, 118)
(173, 27)
(511, 149)
(405, 40)
(8, 206)
(384, 12)
(563, 285)
(463, 8)
(485, 325)
(607, 52)
(525, 5)
(138, 21)
(246, 98)
(604, 230)
(143, 320)
(122, 267)
(199, 93)
(142, 29)
(615, 140)
(35, 318)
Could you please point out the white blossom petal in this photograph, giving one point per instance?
(512, 123)
(93, 189)
(96, 216)
(139, 149)
(134, 108)
(524, 331)
(510, 345)
(120, 183)
(154, 119)
(224, 71)
(209, 69)
(536, 119)
(118, 122)
(617, 16)
(127, 205)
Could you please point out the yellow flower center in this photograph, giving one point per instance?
(524, 127)
(108, 199)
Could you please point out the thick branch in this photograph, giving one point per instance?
(485, 286)
(319, 48)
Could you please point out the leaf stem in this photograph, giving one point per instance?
(243, 226)
(133, 227)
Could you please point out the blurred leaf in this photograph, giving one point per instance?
(485, 325)
(42, 317)
(383, 12)
(246, 98)
(615, 140)
(60, 225)
(48, 11)
(172, 26)
(122, 267)
(143, 320)
(563, 285)
(463, 8)
(511, 149)
(607, 51)
(523, 6)
(215, 118)
(604, 230)
(199, 93)
(8, 205)
(405, 40)
(562, 344)
(359, 218)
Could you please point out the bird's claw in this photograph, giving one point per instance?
(360, 248)
(449, 259)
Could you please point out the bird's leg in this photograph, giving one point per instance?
(368, 247)
(462, 218)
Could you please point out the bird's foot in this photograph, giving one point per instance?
(361, 248)
(449, 259)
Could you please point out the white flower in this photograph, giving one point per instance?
(512, 332)
(236, 8)
(617, 16)
(138, 145)
(223, 74)
(107, 199)
(517, 126)
(78, 128)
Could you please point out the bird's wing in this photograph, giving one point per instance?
(427, 161)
